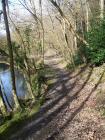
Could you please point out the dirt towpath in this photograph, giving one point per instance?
(70, 113)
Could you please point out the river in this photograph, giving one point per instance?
(6, 84)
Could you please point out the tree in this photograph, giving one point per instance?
(101, 9)
(9, 44)
(3, 106)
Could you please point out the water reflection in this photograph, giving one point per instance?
(6, 85)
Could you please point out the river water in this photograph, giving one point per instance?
(6, 84)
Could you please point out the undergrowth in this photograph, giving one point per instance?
(94, 52)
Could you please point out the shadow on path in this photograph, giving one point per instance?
(63, 92)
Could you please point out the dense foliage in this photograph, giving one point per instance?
(94, 53)
(96, 39)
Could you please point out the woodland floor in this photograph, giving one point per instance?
(75, 107)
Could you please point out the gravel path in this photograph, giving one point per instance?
(70, 113)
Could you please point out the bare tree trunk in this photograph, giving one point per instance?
(70, 27)
(67, 44)
(10, 53)
(87, 15)
(3, 106)
(75, 39)
(41, 10)
(101, 9)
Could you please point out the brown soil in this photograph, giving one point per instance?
(72, 112)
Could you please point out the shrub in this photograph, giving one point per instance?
(95, 52)
(38, 81)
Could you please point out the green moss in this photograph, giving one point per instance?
(18, 121)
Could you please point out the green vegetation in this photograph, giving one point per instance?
(74, 30)
(10, 126)
(13, 121)
(94, 53)
(96, 50)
